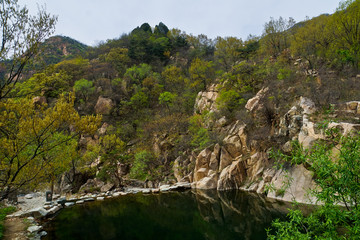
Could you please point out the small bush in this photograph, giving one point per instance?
(3, 212)
(140, 165)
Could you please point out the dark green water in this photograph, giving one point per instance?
(187, 215)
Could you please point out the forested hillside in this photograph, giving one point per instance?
(158, 105)
(144, 84)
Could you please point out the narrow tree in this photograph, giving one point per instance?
(20, 37)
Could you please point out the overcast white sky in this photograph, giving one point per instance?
(91, 21)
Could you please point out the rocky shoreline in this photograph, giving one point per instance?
(34, 209)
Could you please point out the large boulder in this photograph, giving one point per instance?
(307, 105)
(233, 176)
(255, 103)
(39, 100)
(206, 100)
(202, 164)
(293, 184)
(92, 185)
(104, 106)
(225, 159)
(209, 182)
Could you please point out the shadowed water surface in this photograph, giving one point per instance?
(186, 215)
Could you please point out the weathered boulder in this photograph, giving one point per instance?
(214, 158)
(177, 169)
(39, 100)
(307, 105)
(103, 129)
(233, 145)
(107, 187)
(253, 104)
(202, 164)
(92, 185)
(233, 176)
(225, 159)
(34, 229)
(104, 106)
(209, 182)
(206, 100)
(345, 128)
(293, 184)
(255, 165)
(39, 212)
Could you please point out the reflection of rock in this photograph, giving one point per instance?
(239, 212)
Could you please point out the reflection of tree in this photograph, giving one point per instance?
(239, 212)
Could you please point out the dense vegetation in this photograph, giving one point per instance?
(152, 77)
(338, 183)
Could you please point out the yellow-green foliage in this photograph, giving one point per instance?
(32, 136)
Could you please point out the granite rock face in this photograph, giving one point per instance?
(242, 161)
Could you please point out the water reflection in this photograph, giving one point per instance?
(188, 215)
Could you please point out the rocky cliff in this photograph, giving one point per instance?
(242, 160)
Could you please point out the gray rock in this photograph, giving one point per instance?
(33, 229)
(54, 209)
(100, 198)
(146, 191)
(29, 196)
(116, 194)
(38, 212)
(107, 187)
(68, 204)
(80, 202)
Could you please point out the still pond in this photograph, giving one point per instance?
(213, 215)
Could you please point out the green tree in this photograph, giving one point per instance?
(20, 36)
(119, 59)
(337, 177)
(136, 74)
(139, 100)
(161, 29)
(345, 26)
(227, 51)
(174, 79)
(84, 88)
(200, 136)
(200, 46)
(167, 99)
(28, 138)
(202, 74)
(276, 36)
(47, 83)
(312, 41)
(141, 166)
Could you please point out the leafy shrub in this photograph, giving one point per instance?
(338, 181)
(140, 167)
(200, 134)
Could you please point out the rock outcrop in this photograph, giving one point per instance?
(206, 100)
(242, 160)
(104, 106)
